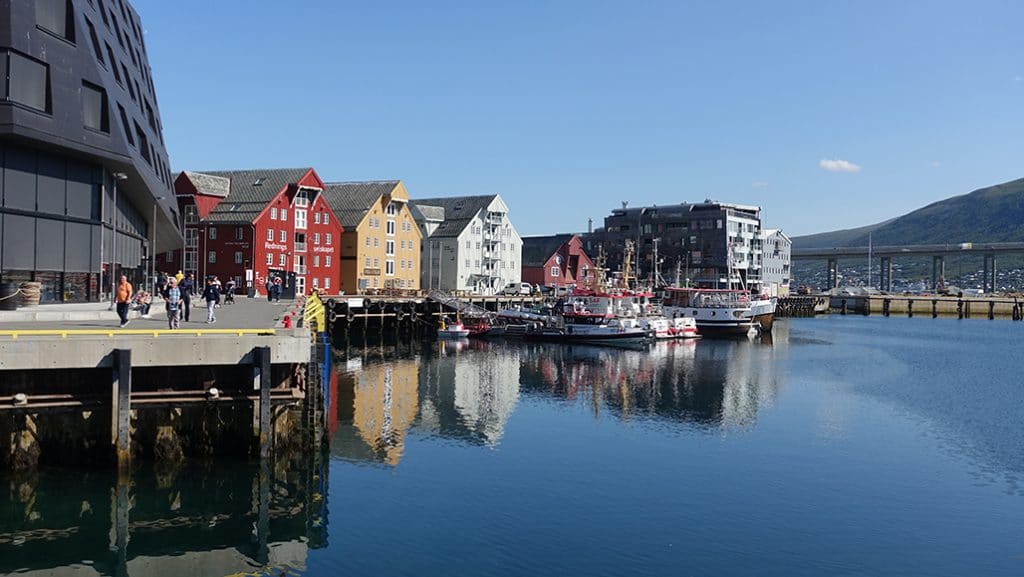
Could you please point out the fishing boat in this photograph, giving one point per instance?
(683, 328)
(577, 324)
(721, 311)
(452, 330)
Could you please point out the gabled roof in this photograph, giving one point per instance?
(538, 249)
(250, 191)
(350, 201)
(458, 211)
(209, 184)
(426, 212)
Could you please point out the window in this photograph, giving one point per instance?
(478, 245)
(467, 263)
(555, 272)
(316, 218)
(270, 235)
(301, 198)
(140, 136)
(128, 81)
(212, 258)
(367, 241)
(316, 260)
(283, 236)
(376, 242)
(389, 268)
(300, 218)
(239, 233)
(238, 257)
(316, 238)
(56, 16)
(376, 263)
(125, 126)
(284, 214)
(29, 81)
(191, 238)
(328, 239)
(270, 258)
(327, 220)
(327, 281)
(95, 42)
(282, 259)
(213, 234)
(391, 209)
(367, 263)
(327, 261)
(273, 213)
(389, 248)
(468, 245)
(391, 228)
(316, 282)
(94, 108)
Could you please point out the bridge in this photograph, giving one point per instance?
(938, 252)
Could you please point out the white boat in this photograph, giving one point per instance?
(582, 326)
(683, 328)
(453, 330)
(722, 312)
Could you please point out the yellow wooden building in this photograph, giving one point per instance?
(380, 248)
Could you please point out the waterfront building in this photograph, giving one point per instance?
(710, 244)
(380, 248)
(556, 260)
(469, 244)
(247, 225)
(85, 176)
(775, 267)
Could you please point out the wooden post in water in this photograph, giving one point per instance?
(121, 410)
(261, 383)
(910, 307)
(991, 310)
(935, 308)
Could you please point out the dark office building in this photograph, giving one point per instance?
(710, 244)
(81, 148)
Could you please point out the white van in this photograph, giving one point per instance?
(517, 289)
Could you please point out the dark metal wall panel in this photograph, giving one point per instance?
(82, 194)
(78, 248)
(50, 187)
(19, 242)
(20, 179)
(49, 244)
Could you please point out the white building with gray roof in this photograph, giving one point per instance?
(469, 244)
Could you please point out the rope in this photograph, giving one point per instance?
(14, 294)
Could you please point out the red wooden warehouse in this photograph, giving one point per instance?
(249, 224)
(556, 260)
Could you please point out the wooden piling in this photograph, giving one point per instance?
(261, 382)
(121, 401)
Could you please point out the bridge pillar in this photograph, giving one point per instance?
(938, 271)
(833, 273)
(989, 279)
(885, 283)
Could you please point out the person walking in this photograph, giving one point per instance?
(188, 290)
(277, 289)
(270, 289)
(211, 295)
(173, 302)
(229, 292)
(161, 284)
(123, 296)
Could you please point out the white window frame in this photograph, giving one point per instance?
(327, 260)
(270, 259)
(316, 237)
(283, 236)
(327, 220)
(328, 241)
(316, 220)
(273, 213)
(300, 219)
(211, 257)
(327, 283)
(238, 257)
(390, 228)
(270, 235)
(212, 233)
(282, 260)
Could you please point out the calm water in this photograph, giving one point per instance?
(846, 446)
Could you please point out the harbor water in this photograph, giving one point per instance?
(839, 446)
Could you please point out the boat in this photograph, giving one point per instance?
(577, 324)
(477, 326)
(452, 330)
(683, 328)
(721, 311)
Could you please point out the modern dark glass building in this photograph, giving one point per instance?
(85, 184)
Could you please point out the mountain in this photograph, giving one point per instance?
(991, 214)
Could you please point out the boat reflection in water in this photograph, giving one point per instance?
(190, 521)
(468, 390)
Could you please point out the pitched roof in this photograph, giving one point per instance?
(458, 211)
(209, 184)
(426, 212)
(538, 249)
(350, 201)
(250, 191)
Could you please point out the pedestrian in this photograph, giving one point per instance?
(220, 289)
(161, 283)
(270, 289)
(188, 290)
(211, 295)
(277, 289)
(123, 297)
(179, 277)
(229, 292)
(173, 303)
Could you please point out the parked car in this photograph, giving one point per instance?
(517, 289)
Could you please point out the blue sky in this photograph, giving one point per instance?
(828, 115)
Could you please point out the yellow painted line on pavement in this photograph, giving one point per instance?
(65, 333)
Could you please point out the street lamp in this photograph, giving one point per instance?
(152, 246)
(113, 241)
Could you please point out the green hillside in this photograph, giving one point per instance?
(992, 214)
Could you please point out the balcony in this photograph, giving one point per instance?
(300, 247)
(299, 269)
(371, 272)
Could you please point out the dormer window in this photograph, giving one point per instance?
(302, 197)
(391, 209)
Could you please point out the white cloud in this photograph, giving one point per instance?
(759, 184)
(837, 165)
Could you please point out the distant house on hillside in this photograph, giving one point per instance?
(556, 260)
(469, 244)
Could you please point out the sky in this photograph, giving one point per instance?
(828, 115)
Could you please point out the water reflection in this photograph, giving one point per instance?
(188, 521)
(468, 390)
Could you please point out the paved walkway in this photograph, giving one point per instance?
(246, 313)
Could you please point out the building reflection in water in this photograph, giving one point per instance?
(468, 390)
(190, 521)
